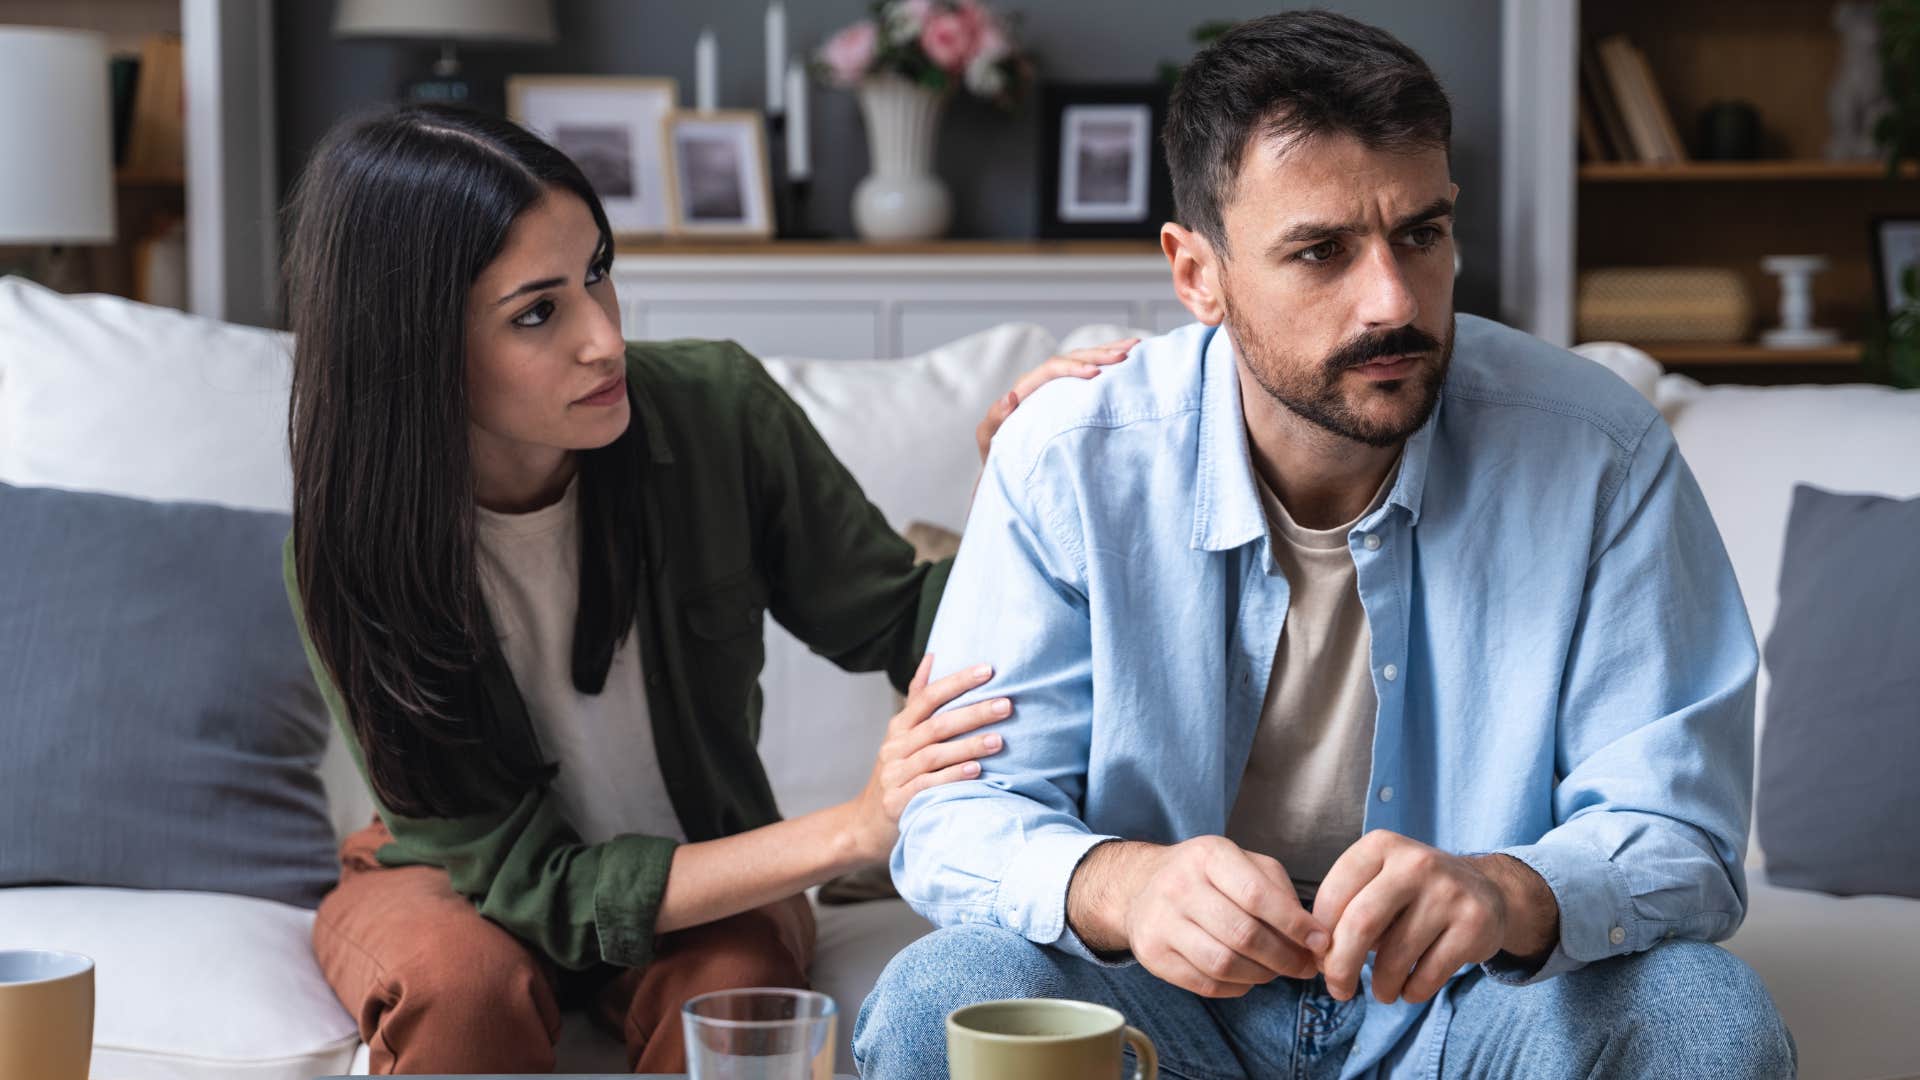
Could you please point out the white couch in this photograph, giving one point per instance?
(205, 986)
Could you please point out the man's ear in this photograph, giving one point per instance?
(1196, 272)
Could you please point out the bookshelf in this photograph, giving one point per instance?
(1781, 56)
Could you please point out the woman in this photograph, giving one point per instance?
(531, 561)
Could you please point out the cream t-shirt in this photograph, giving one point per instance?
(1303, 798)
(609, 783)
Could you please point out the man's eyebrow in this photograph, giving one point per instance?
(1319, 230)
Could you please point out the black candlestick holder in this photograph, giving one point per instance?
(790, 196)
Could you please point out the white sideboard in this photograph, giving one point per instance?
(851, 301)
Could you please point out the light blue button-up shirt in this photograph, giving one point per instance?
(1562, 660)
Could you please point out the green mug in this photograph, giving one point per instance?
(1043, 1039)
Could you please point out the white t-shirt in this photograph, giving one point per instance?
(609, 783)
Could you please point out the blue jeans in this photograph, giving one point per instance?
(1682, 1009)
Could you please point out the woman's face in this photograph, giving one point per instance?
(546, 365)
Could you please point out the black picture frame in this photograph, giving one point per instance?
(1896, 243)
(1115, 113)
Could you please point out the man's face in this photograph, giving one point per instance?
(1338, 281)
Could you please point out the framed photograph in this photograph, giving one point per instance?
(1896, 250)
(611, 127)
(1103, 173)
(718, 181)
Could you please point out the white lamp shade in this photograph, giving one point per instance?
(519, 21)
(56, 137)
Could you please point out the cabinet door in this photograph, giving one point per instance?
(825, 331)
(925, 325)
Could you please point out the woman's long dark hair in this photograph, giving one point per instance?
(394, 218)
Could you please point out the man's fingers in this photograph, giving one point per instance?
(1233, 872)
(1248, 935)
(1445, 956)
(1350, 873)
(1216, 959)
(1400, 948)
(1362, 924)
(1178, 970)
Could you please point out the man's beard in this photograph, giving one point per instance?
(1314, 394)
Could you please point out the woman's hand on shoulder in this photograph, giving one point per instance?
(1078, 364)
(923, 750)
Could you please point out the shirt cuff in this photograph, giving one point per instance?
(1596, 919)
(1032, 897)
(627, 890)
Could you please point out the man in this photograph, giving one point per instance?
(1383, 694)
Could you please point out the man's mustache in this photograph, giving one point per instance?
(1396, 342)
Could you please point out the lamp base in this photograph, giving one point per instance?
(438, 90)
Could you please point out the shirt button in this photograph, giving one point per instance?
(1373, 542)
(1390, 672)
(1617, 936)
(1386, 793)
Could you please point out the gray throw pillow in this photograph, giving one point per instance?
(159, 728)
(1835, 809)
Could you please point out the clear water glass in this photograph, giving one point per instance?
(760, 1034)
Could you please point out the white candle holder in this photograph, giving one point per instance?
(1796, 329)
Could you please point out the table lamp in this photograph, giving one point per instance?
(56, 145)
(500, 22)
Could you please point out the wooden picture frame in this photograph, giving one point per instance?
(1103, 173)
(1896, 245)
(719, 181)
(610, 125)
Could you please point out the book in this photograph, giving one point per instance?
(1592, 146)
(1593, 87)
(156, 143)
(1622, 79)
(1675, 147)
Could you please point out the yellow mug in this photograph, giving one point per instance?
(46, 1014)
(1043, 1039)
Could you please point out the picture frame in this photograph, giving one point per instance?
(1896, 246)
(1103, 172)
(610, 125)
(719, 182)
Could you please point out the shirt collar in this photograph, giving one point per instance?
(645, 412)
(1227, 511)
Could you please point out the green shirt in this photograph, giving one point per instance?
(745, 512)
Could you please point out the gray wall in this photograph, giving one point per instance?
(987, 158)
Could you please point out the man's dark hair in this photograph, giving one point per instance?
(1296, 74)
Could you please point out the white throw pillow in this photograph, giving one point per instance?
(905, 429)
(1642, 372)
(192, 985)
(103, 394)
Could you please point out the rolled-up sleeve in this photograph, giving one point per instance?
(1654, 745)
(1001, 849)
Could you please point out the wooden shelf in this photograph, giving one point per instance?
(961, 248)
(1741, 352)
(1631, 172)
(127, 179)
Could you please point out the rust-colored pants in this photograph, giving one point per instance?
(437, 988)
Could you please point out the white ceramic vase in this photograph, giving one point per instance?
(901, 199)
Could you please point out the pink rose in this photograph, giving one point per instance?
(849, 53)
(949, 40)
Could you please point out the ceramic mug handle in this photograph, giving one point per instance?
(1146, 1057)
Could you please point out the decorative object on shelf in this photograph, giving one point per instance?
(1103, 173)
(493, 22)
(797, 140)
(1662, 304)
(906, 59)
(1896, 254)
(614, 128)
(1796, 329)
(126, 77)
(1897, 133)
(706, 71)
(717, 175)
(1729, 131)
(1857, 99)
(56, 172)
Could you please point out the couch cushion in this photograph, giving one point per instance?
(1834, 808)
(192, 986)
(108, 395)
(855, 943)
(904, 428)
(162, 727)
